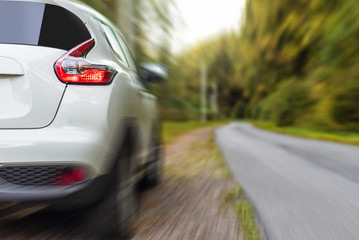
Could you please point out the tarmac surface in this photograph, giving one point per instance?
(301, 189)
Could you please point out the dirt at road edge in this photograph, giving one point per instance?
(187, 204)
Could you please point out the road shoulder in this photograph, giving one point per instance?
(194, 199)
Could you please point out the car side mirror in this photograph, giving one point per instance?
(153, 72)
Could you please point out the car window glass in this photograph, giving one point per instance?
(40, 24)
(111, 38)
(128, 54)
(62, 29)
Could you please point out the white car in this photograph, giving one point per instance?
(77, 125)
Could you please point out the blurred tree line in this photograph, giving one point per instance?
(147, 25)
(292, 62)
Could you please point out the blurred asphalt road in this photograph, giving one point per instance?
(302, 189)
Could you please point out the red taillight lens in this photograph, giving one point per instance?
(74, 68)
(71, 176)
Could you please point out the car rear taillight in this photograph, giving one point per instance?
(74, 68)
(71, 175)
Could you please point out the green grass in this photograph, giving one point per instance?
(247, 223)
(245, 213)
(341, 137)
(173, 130)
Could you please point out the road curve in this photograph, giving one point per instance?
(302, 189)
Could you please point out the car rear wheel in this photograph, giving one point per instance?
(126, 202)
(153, 173)
(114, 216)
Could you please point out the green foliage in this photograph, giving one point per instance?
(256, 110)
(314, 133)
(106, 7)
(345, 108)
(239, 110)
(288, 103)
(313, 41)
(135, 18)
(292, 62)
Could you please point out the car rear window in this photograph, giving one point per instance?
(40, 24)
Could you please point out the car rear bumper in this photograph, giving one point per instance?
(57, 146)
(15, 199)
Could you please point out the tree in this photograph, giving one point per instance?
(146, 24)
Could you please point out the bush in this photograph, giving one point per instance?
(256, 111)
(239, 110)
(345, 109)
(288, 103)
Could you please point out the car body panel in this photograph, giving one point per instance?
(27, 82)
(11, 67)
(57, 123)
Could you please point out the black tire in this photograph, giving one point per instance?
(153, 172)
(127, 198)
(114, 216)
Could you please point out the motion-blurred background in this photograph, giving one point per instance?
(288, 62)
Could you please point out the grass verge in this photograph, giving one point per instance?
(245, 213)
(340, 137)
(172, 130)
(205, 156)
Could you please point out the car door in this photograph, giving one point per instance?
(143, 111)
(146, 103)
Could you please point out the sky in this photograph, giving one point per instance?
(203, 19)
